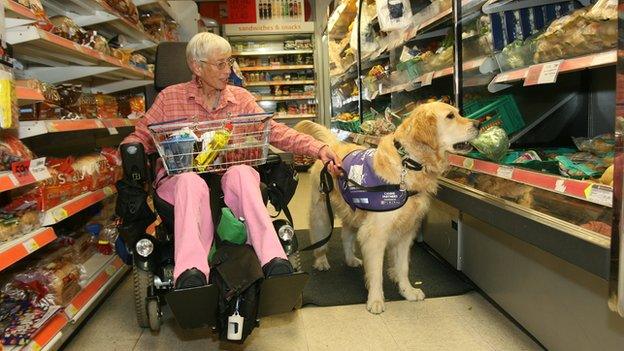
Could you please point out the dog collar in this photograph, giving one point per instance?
(406, 160)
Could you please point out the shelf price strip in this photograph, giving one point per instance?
(23, 247)
(595, 193)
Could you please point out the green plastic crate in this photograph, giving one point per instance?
(503, 110)
(349, 126)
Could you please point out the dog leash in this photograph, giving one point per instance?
(327, 186)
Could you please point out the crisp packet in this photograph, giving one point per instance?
(492, 143)
(210, 151)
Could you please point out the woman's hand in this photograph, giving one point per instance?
(327, 155)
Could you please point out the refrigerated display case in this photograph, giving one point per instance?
(546, 73)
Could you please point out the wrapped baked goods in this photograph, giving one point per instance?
(19, 217)
(601, 144)
(87, 105)
(56, 278)
(66, 27)
(584, 31)
(12, 150)
(107, 106)
(9, 110)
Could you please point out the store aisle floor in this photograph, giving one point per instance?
(466, 322)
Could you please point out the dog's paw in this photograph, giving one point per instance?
(321, 264)
(375, 306)
(353, 262)
(412, 294)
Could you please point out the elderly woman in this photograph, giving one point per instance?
(208, 96)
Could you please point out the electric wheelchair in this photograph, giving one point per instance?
(250, 295)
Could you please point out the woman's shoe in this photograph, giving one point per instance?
(191, 278)
(277, 266)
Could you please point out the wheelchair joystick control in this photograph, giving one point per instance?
(134, 162)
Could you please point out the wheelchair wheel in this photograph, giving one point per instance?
(142, 281)
(153, 315)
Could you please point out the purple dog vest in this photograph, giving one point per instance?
(358, 167)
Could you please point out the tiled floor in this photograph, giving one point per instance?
(465, 322)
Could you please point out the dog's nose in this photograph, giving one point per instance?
(476, 123)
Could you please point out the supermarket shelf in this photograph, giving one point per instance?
(28, 129)
(36, 45)
(99, 15)
(75, 205)
(301, 116)
(58, 329)
(446, 72)
(155, 5)
(271, 52)
(15, 250)
(283, 82)
(435, 20)
(584, 190)
(27, 96)
(14, 10)
(356, 138)
(285, 98)
(341, 18)
(494, 6)
(276, 68)
(569, 65)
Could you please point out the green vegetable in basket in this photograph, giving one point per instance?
(492, 143)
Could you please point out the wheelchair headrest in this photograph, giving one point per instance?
(171, 67)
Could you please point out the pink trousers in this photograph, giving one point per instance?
(194, 230)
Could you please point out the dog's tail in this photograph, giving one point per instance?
(317, 131)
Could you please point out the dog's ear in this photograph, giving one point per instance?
(421, 127)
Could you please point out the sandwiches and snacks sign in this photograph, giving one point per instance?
(269, 28)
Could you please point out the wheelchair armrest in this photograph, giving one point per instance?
(276, 156)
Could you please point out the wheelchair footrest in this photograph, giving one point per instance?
(279, 294)
(194, 307)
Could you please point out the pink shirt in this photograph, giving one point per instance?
(185, 100)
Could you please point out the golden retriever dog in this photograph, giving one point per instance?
(431, 130)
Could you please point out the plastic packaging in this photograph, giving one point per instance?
(492, 143)
(12, 149)
(211, 149)
(9, 110)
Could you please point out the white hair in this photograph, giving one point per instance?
(206, 44)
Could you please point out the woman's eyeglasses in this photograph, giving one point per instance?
(221, 65)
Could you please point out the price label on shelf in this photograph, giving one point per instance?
(60, 214)
(544, 73)
(501, 78)
(30, 245)
(110, 270)
(32, 346)
(505, 172)
(38, 169)
(599, 194)
(604, 58)
(113, 131)
(71, 311)
(426, 79)
(468, 163)
(108, 191)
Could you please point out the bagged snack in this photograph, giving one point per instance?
(492, 143)
(66, 28)
(9, 110)
(107, 106)
(601, 144)
(12, 150)
(572, 169)
(212, 143)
